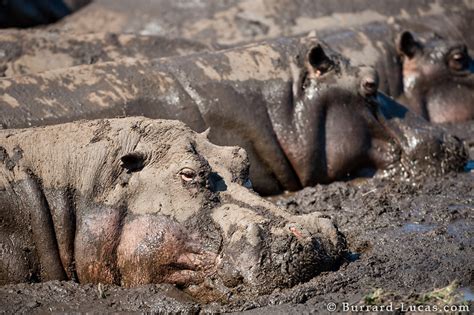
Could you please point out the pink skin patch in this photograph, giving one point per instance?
(296, 232)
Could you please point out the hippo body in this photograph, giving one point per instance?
(238, 21)
(418, 67)
(25, 52)
(133, 201)
(301, 111)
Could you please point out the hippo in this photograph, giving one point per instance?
(133, 201)
(29, 13)
(424, 64)
(438, 78)
(26, 51)
(241, 21)
(303, 113)
(412, 65)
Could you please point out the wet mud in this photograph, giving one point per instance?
(404, 238)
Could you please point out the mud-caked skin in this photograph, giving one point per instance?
(299, 109)
(134, 201)
(424, 63)
(28, 51)
(234, 22)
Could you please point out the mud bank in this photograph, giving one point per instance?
(404, 238)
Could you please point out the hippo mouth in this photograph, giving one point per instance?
(423, 148)
(276, 260)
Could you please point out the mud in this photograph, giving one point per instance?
(404, 238)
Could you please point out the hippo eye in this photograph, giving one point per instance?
(458, 61)
(187, 174)
(369, 86)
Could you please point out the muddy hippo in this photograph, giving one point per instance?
(438, 78)
(27, 51)
(27, 13)
(425, 64)
(236, 21)
(134, 201)
(301, 111)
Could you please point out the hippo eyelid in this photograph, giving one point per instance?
(457, 54)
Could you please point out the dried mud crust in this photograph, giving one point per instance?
(404, 238)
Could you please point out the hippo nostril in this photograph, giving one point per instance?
(369, 87)
(369, 81)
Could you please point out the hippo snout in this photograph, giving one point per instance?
(265, 248)
(369, 81)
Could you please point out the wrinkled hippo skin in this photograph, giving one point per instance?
(299, 109)
(134, 201)
(423, 63)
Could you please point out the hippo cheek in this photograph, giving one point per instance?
(156, 249)
(452, 104)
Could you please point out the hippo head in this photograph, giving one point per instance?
(189, 218)
(338, 125)
(330, 127)
(424, 148)
(438, 77)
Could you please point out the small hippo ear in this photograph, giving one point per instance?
(206, 132)
(318, 60)
(407, 45)
(133, 161)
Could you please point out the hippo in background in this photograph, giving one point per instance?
(438, 78)
(38, 51)
(424, 64)
(134, 201)
(28, 13)
(235, 22)
(412, 66)
(299, 109)
(25, 52)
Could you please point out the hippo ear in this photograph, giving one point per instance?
(407, 45)
(318, 60)
(133, 161)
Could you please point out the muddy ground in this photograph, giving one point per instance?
(404, 238)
